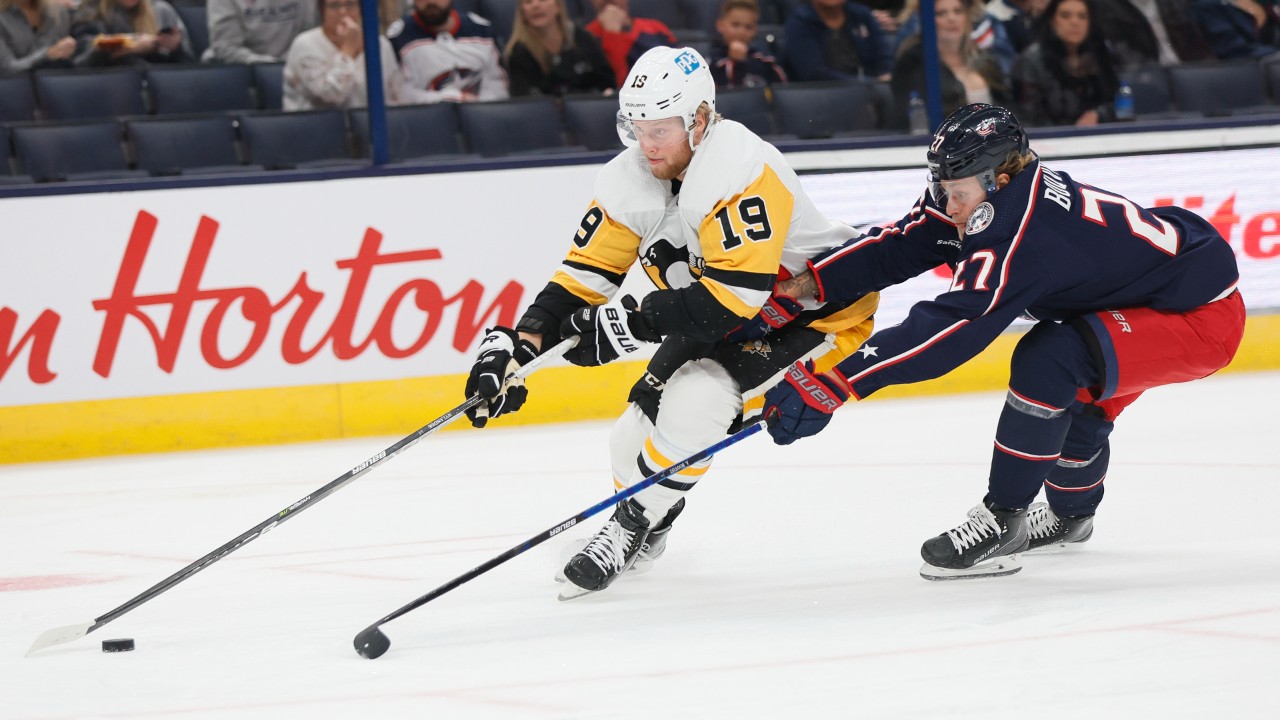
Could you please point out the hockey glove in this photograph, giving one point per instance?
(502, 352)
(775, 314)
(607, 332)
(801, 405)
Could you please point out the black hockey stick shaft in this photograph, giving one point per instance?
(372, 642)
(68, 633)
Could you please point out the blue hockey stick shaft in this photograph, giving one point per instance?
(372, 642)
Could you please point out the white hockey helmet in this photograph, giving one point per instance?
(665, 82)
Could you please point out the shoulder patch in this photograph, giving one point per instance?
(980, 219)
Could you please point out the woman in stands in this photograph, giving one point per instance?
(549, 55)
(325, 65)
(968, 73)
(34, 34)
(1067, 76)
(121, 32)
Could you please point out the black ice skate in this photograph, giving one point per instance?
(656, 543)
(1048, 531)
(610, 553)
(985, 545)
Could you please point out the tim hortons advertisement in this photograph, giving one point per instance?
(175, 291)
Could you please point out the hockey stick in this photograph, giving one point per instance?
(67, 633)
(372, 642)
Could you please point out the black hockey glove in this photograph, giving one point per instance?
(775, 314)
(501, 353)
(801, 405)
(607, 332)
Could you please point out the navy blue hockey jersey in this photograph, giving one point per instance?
(1045, 246)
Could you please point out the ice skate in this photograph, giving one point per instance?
(1049, 532)
(985, 545)
(650, 550)
(610, 553)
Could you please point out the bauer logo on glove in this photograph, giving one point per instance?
(607, 332)
(801, 405)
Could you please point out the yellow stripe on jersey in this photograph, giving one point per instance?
(848, 317)
(732, 298)
(578, 288)
(601, 242)
(746, 232)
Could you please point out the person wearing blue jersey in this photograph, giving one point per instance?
(1125, 298)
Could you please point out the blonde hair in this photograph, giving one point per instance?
(522, 34)
(1016, 163)
(969, 49)
(142, 16)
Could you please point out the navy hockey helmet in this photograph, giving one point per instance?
(974, 141)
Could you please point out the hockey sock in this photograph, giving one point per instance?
(1074, 486)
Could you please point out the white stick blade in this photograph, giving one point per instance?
(60, 635)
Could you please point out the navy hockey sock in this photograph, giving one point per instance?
(1074, 487)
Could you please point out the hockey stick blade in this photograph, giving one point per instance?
(58, 636)
(372, 643)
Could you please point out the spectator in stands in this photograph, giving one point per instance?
(325, 65)
(988, 33)
(625, 38)
(968, 73)
(549, 55)
(1240, 29)
(1066, 77)
(34, 34)
(1018, 18)
(448, 56)
(835, 40)
(123, 32)
(1145, 32)
(734, 62)
(256, 31)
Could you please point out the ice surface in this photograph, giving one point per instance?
(789, 588)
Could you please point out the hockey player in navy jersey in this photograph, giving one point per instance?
(713, 215)
(1126, 299)
(447, 55)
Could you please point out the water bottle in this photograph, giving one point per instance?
(917, 115)
(1124, 102)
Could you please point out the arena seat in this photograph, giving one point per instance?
(183, 89)
(268, 80)
(749, 106)
(414, 132)
(196, 19)
(592, 121)
(90, 94)
(17, 98)
(1219, 88)
(670, 12)
(288, 140)
(72, 151)
(513, 127)
(186, 145)
(824, 110)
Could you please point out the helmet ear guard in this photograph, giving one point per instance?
(665, 83)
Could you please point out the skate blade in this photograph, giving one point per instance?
(998, 567)
(573, 592)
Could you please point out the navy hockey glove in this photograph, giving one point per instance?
(502, 352)
(776, 313)
(606, 332)
(802, 404)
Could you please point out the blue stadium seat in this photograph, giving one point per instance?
(17, 99)
(287, 140)
(190, 145)
(414, 132)
(669, 12)
(1272, 70)
(823, 110)
(593, 121)
(196, 18)
(513, 127)
(183, 89)
(749, 106)
(72, 151)
(502, 15)
(7, 175)
(268, 79)
(90, 94)
(1150, 84)
(701, 15)
(1219, 88)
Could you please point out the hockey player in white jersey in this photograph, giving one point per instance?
(715, 216)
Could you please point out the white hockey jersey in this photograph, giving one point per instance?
(739, 221)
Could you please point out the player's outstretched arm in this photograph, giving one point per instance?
(501, 353)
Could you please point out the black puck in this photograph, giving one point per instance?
(117, 645)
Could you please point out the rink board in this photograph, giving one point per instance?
(206, 317)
